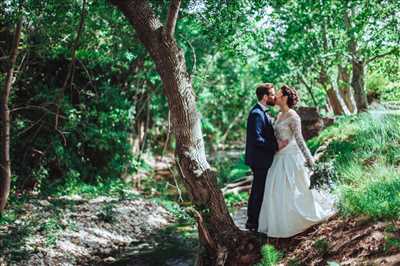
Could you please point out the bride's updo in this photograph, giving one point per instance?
(292, 95)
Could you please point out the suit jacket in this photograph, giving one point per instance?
(261, 143)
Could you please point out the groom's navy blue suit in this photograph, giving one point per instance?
(261, 146)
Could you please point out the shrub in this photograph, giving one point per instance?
(107, 213)
(379, 86)
(322, 246)
(376, 82)
(270, 256)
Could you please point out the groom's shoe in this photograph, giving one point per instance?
(251, 227)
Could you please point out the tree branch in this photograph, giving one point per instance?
(134, 68)
(352, 44)
(231, 125)
(30, 107)
(71, 66)
(193, 54)
(172, 17)
(308, 87)
(393, 51)
(31, 126)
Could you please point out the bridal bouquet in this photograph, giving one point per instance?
(323, 175)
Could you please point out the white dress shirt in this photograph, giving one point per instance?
(264, 108)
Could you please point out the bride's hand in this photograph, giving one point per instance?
(282, 144)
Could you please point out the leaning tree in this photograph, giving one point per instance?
(224, 243)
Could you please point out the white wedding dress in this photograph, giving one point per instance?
(289, 207)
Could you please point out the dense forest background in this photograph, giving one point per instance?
(88, 114)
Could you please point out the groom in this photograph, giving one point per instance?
(261, 146)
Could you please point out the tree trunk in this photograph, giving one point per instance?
(5, 117)
(358, 66)
(345, 90)
(328, 106)
(334, 98)
(357, 82)
(338, 105)
(217, 231)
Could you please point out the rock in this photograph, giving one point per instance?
(44, 203)
(63, 223)
(311, 121)
(109, 260)
(309, 114)
(328, 121)
(28, 207)
(101, 199)
(107, 251)
(76, 198)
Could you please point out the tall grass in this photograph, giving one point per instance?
(365, 150)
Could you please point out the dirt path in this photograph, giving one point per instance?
(76, 231)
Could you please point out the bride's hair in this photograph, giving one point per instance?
(292, 95)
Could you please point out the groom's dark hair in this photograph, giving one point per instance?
(263, 89)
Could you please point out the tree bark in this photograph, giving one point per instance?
(358, 67)
(336, 102)
(5, 117)
(172, 17)
(358, 84)
(334, 98)
(395, 50)
(345, 90)
(217, 231)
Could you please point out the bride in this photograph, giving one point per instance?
(289, 207)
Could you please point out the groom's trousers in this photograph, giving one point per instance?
(256, 196)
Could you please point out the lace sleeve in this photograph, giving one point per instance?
(295, 126)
